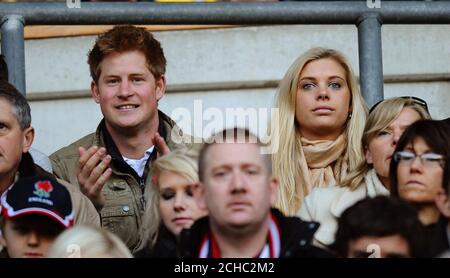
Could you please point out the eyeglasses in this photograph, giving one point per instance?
(415, 100)
(428, 160)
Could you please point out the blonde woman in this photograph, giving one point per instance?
(172, 206)
(385, 124)
(88, 242)
(318, 131)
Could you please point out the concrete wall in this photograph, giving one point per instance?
(230, 55)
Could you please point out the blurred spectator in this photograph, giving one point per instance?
(238, 190)
(419, 168)
(175, 178)
(380, 227)
(88, 242)
(419, 172)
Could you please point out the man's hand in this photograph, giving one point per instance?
(93, 172)
(160, 145)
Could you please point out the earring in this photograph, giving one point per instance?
(350, 115)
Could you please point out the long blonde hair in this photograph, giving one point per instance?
(285, 159)
(378, 120)
(182, 161)
(88, 242)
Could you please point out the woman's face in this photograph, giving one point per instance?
(323, 100)
(176, 202)
(382, 146)
(419, 180)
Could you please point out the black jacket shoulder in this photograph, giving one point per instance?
(436, 239)
(296, 238)
(166, 246)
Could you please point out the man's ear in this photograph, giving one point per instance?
(160, 87)
(94, 92)
(273, 191)
(28, 137)
(442, 201)
(199, 195)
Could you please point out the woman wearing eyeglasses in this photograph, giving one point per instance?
(317, 134)
(420, 170)
(386, 122)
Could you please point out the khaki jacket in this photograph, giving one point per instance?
(124, 191)
(85, 212)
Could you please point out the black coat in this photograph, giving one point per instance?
(27, 168)
(436, 239)
(166, 246)
(296, 238)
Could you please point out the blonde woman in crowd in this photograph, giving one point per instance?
(173, 207)
(318, 132)
(385, 124)
(88, 242)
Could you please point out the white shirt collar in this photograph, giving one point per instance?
(138, 165)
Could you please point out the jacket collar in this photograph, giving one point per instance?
(104, 138)
(28, 168)
(294, 234)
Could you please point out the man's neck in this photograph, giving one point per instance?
(6, 181)
(242, 244)
(133, 144)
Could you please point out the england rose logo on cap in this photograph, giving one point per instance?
(38, 195)
(43, 189)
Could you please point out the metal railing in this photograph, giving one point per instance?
(367, 17)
